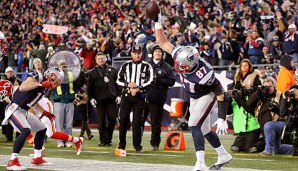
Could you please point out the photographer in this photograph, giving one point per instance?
(265, 103)
(245, 124)
(288, 108)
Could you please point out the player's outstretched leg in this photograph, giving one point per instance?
(223, 156)
(78, 141)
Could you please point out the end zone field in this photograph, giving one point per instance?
(103, 158)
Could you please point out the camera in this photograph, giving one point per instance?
(273, 105)
(248, 90)
(290, 93)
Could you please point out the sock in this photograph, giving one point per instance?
(14, 155)
(75, 139)
(221, 150)
(37, 153)
(30, 139)
(200, 156)
(63, 136)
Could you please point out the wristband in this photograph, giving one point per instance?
(157, 25)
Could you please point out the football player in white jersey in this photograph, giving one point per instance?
(204, 89)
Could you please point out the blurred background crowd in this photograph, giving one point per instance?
(225, 31)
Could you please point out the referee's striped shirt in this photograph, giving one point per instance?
(140, 73)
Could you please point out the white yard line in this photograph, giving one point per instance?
(95, 165)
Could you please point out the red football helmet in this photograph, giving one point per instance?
(6, 89)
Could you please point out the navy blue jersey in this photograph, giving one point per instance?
(200, 81)
(27, 99)
(35, 74)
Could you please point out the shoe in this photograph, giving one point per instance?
(43, 152)
(90, 137)
(222, 160)
(200, 167)
(109, 144)
(69, 144)
(102, 144)
(139, 151)
(265, 153)
(39, 161)
(60, 144)
(235, 149)
(15, 165)
(253, 150)
(155, 148)
(79, 145)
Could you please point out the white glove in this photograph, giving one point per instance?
(93, 102)
(222, 126)
(118, 100)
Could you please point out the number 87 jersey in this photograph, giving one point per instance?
(196, 74)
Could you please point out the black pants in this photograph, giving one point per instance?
(156, 112)
(128, 104)
(106, 119)
(246, 140)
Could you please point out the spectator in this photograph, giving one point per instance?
(224, 52)
(157, 94)
(63, 97)
(245, 125)
(134, 82)
(276, 49)
(42, 55)
(12, 58)
(102, 92)
(88, 54)
(265, 103)
(254, 45)
(286, 75)
(290, 44)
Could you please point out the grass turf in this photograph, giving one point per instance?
(186, 157)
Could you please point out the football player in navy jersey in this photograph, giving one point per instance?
(25, 97)
(204, 89)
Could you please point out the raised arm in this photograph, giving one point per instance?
(161, 38)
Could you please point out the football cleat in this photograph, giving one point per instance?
(79, 145)
(222, 160)
(39, 161)
(200, 167)
(15, 165)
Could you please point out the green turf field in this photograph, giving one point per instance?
(187, 157)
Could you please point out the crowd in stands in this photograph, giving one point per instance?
(224, 31)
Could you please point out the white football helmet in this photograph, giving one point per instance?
(186, 58)
(55, 75)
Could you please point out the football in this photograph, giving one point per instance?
(152, 10)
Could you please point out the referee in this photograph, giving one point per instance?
(134, 78)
